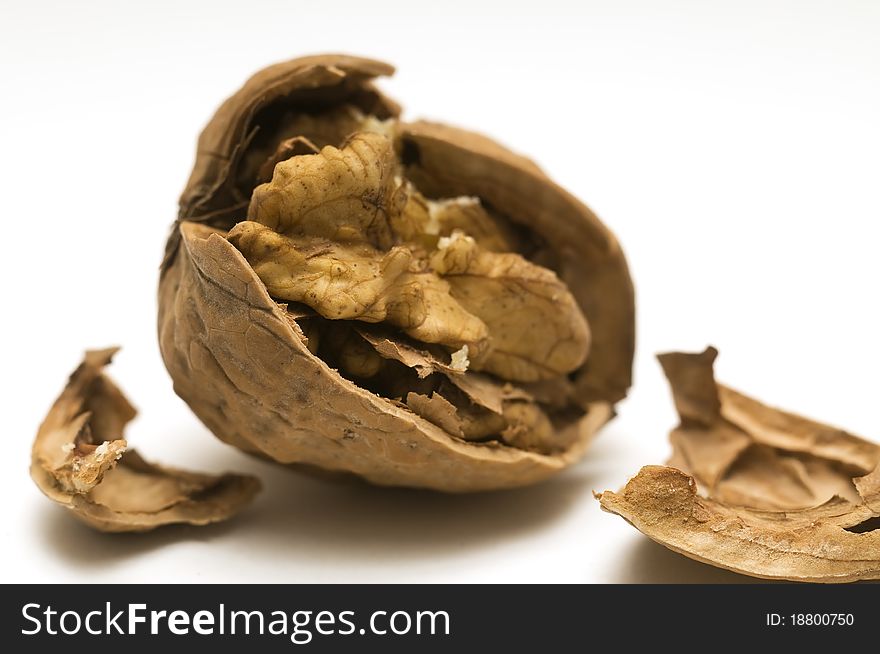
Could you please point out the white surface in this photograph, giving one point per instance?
(733, 147)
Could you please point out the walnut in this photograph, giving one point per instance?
(407, 302)
(757, 490)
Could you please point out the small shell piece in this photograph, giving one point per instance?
(79, 460)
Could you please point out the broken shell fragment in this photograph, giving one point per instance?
(81, 461)
(407, 302)
(757, 490)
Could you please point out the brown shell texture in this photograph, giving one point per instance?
(306, 179)
(757, 490)
(80, 461)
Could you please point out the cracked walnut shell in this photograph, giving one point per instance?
(407, 302)
(81, 461)
(757, 490)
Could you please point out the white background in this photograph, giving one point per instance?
(733, 147)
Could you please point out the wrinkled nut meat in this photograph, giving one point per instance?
(407, 302)
(80, 461)
(757, 490)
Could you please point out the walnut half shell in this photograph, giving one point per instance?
(407, 302)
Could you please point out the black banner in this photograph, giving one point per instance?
(280, 618)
